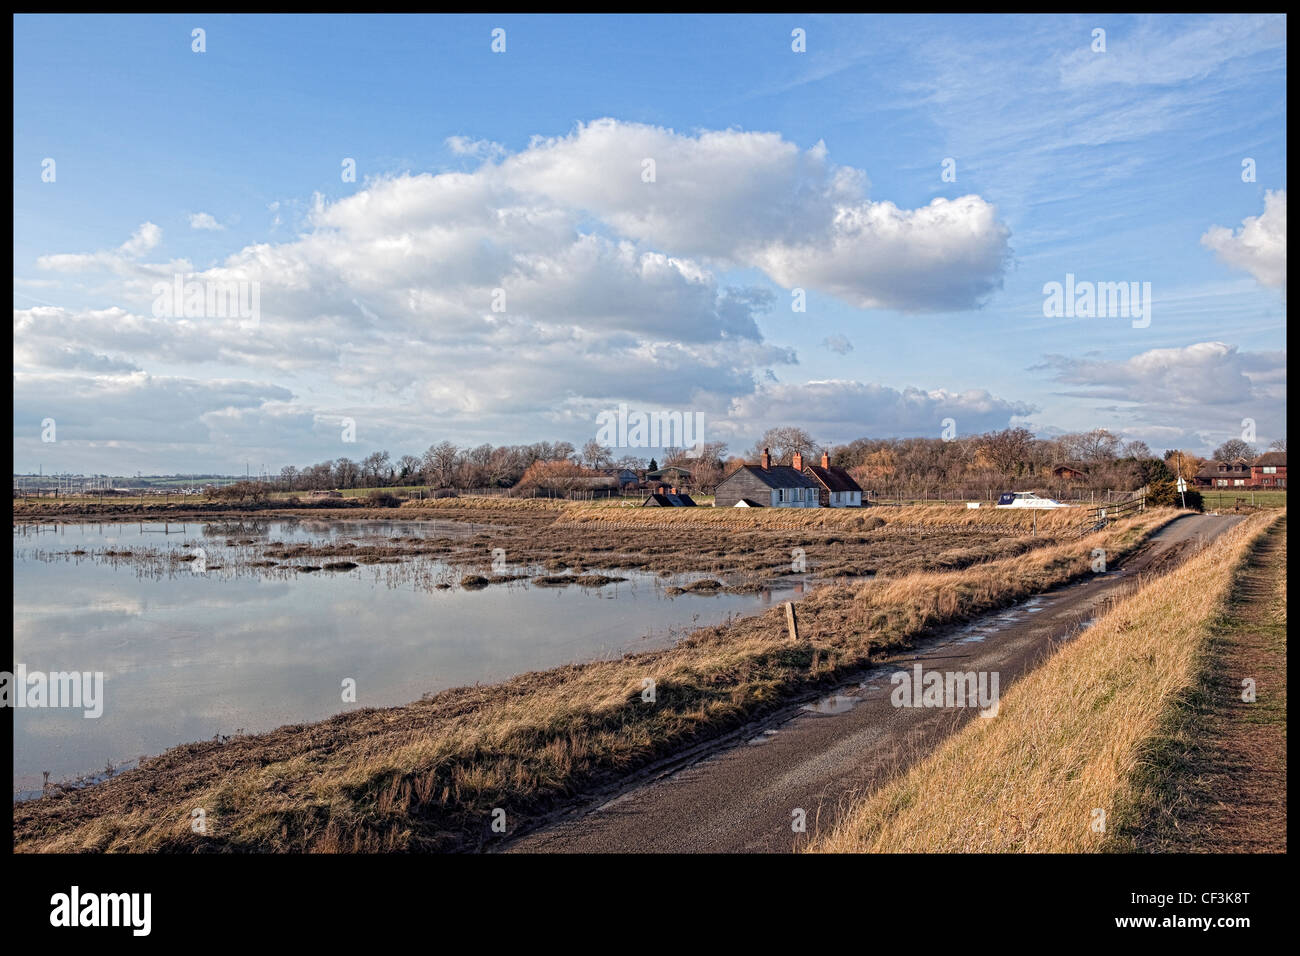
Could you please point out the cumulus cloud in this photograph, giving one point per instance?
(203, 220)
(529, 291)
(120, 260)
(847, 409)
(1259, 246)
(756, 199)
(1206, 373)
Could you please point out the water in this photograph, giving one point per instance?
(187, 656)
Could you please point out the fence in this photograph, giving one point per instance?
(1103, 515)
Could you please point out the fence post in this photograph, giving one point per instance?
(790, 623)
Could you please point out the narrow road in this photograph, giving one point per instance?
(742, 796)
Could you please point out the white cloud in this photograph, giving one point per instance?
(756, 199)
(1206, 373)
(142, 240)
(1259, 246)
(203, 220)
(121, 260)
(478, 148)
(841, 410)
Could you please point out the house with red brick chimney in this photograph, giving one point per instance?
(838, 489)
(766, 485)
(1269, 470)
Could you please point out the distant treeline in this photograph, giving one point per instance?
(906, 467)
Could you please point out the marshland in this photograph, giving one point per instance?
(498, 651)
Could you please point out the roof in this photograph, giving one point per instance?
(664, 500)
(1078, 466)
(777, 476)
(1271, 459)
(592, 481)
(1215, 469)
(667, 469)
(835, 479)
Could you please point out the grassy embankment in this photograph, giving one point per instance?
(427, 776)
(1094, 729)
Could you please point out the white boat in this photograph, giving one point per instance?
(1027, 499)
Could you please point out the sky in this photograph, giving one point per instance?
(495, 228)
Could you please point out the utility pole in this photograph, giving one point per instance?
(1182, 485)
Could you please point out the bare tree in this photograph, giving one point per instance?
(1136, 449)
(1232, 449)
(346, 472)
(1098, 445)
(596, 455)
(784, 441)
(374, 469)
(440, 464)
(408, 468)
(1008, 450)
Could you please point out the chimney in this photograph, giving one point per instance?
(766, 461)
(797, 461)
(673, 491)
(826, 459)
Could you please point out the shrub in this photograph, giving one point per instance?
(1164, 494)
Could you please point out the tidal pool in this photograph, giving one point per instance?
(187, 655)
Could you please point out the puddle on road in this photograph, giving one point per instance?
(981, 629)
(830, 706)
(762, 738)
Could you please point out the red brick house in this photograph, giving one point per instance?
(1269, 470)
(1223, 474)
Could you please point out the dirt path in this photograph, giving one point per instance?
(742, 794)
(1229, 792)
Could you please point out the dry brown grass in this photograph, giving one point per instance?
(1074, 736)
(428, 775)
(914, 518)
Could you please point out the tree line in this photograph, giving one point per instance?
(909, 467)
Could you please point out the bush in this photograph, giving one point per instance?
(383, 499)
(1164, 494)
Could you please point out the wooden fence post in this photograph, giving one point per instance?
(790, 622)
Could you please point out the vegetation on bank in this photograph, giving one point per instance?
(1066, 765)
(429, 775)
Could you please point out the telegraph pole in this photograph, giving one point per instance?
(1182, 485)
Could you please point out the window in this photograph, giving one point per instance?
(1238, 482)
(1270, 469)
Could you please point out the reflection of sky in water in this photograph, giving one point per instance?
(187, 656)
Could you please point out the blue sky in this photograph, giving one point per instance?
(522, 170)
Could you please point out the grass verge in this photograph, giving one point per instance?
(1066, 765)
